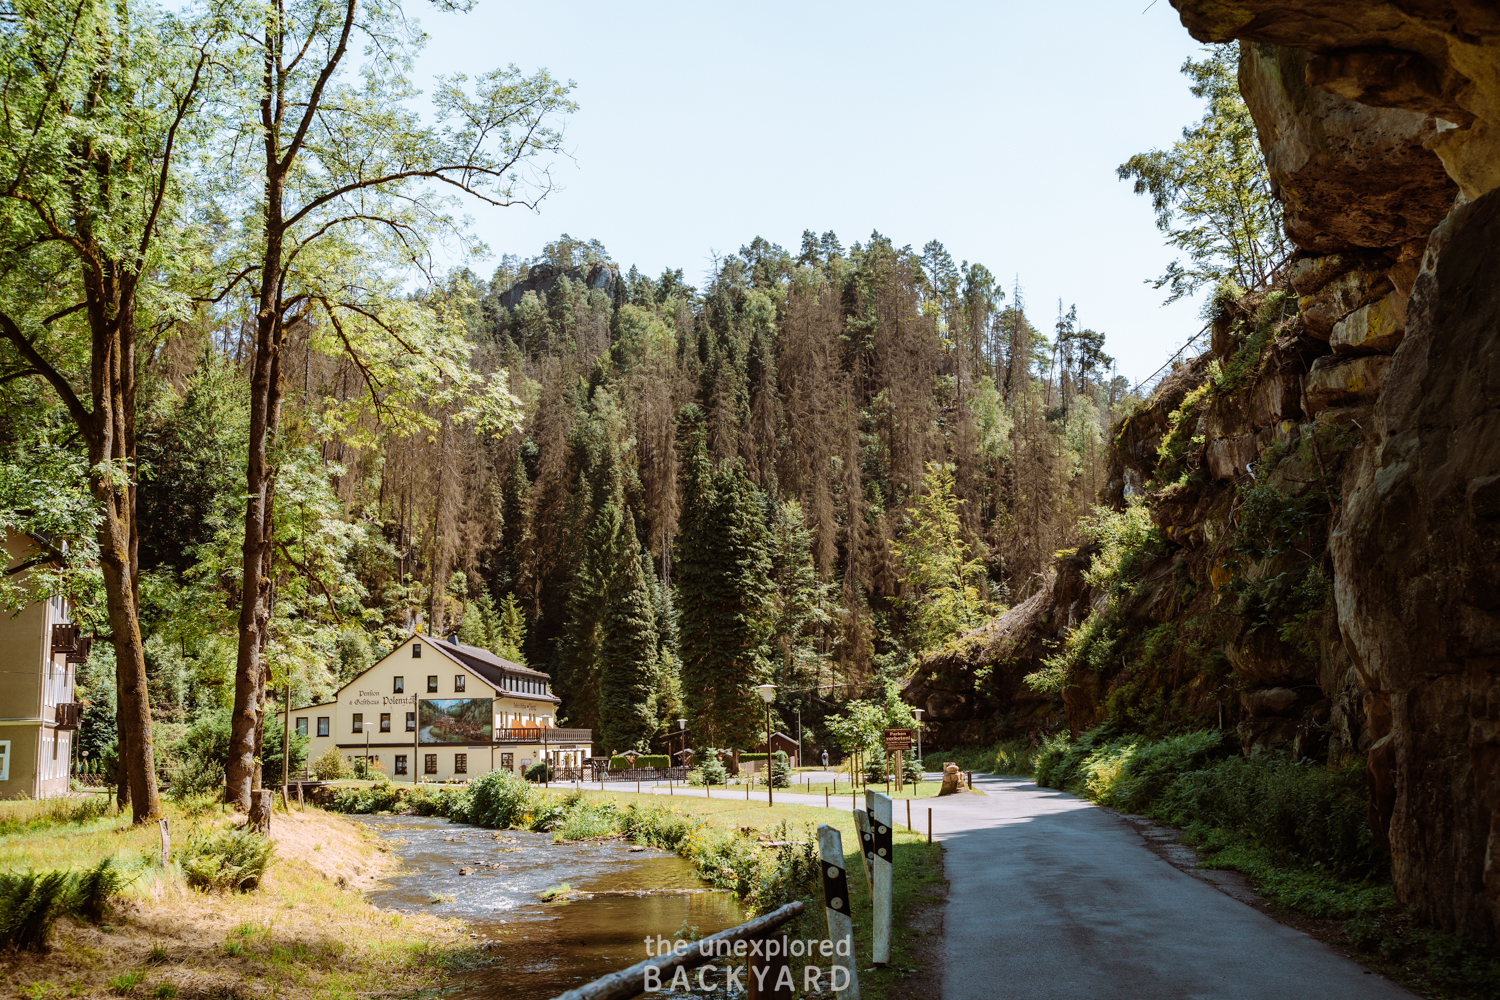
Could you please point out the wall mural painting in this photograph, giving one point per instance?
(456, 720)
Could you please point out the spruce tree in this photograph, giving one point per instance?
(723, 590)
(627, 647)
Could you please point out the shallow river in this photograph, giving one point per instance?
(545, 949)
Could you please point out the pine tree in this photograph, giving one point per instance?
(723, 603)
(508, 635)
(627, 648)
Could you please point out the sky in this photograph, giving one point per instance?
(993, 127)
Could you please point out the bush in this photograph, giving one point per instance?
(711, 772)
(232, 860)
(500, 800)
(31, 902)
(197, 776)
(621, 763)
(539, 772)
(330, 766)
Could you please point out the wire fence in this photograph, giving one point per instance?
(1146, 386)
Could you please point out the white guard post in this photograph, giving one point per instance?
(878, 805)
(866, 847)
(836, 903)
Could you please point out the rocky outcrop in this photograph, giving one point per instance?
(1417, 570)
(542, 278)
(1348, 175)
(1434, 59)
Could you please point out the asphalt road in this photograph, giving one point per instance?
(1051, 898)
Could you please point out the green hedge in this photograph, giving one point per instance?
(618, 763)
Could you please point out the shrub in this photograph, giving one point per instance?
(500, 800)
(711, 772)
(197, 776)
(31, 902)
(539, 772)
(330, 765)
(233, 860)
(621, 763)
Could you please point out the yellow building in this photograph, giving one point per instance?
(435, 710)
(40, 650)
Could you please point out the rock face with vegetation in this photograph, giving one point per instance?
(1302, 539)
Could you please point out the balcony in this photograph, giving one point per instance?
(70, 639)
(69, 714)
(65, 638)
(534, 735)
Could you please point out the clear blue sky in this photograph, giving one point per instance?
(993, 127)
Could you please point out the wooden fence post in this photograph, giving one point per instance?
(836, 904)
(878, 806)
(165, 827)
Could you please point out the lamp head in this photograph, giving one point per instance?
(767, 692)
(681, 723)
(918, 713)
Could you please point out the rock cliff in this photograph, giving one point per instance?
(1324, 484)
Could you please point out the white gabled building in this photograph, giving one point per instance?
(435, 710)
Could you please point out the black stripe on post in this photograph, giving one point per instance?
(835, 888)
(881, 835)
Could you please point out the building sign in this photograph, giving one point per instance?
(456, 720)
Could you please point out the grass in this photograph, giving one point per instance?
(917, 867)
(303, 934)
(924, 790)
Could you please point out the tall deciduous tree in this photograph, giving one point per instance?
(351, 186)
(1211, 192)
(97, 101)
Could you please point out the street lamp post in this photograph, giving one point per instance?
(767, 692)
(918, 713)
(368, 726)
(799, 738)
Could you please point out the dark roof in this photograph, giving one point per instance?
(491, 667)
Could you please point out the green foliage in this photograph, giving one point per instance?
(31, 902)
(941, 600)
(627, 648)
(53, 812)
(1127, 539)
(501, 800)
(1181, 437)
(539, 772)
(723, 602)
(1211, 192)
(618, 763)
(708, 769)
(331, 766)
(1299, 813)
(233, 860)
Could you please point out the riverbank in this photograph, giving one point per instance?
(306, 932)
(765, 854)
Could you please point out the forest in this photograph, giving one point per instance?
(264, 433)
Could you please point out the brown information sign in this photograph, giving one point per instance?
(900, 739)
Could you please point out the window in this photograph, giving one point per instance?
(322, 725)
(411, 722)
(359, 722)
(416, 651)
(429, 764)
(458, 682)
(302, 726)
(385, 722)
(399, 686)
(432, 683)
(508, 761)
(460, 763)
(401, 763)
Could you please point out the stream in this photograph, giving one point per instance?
(540, 950)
